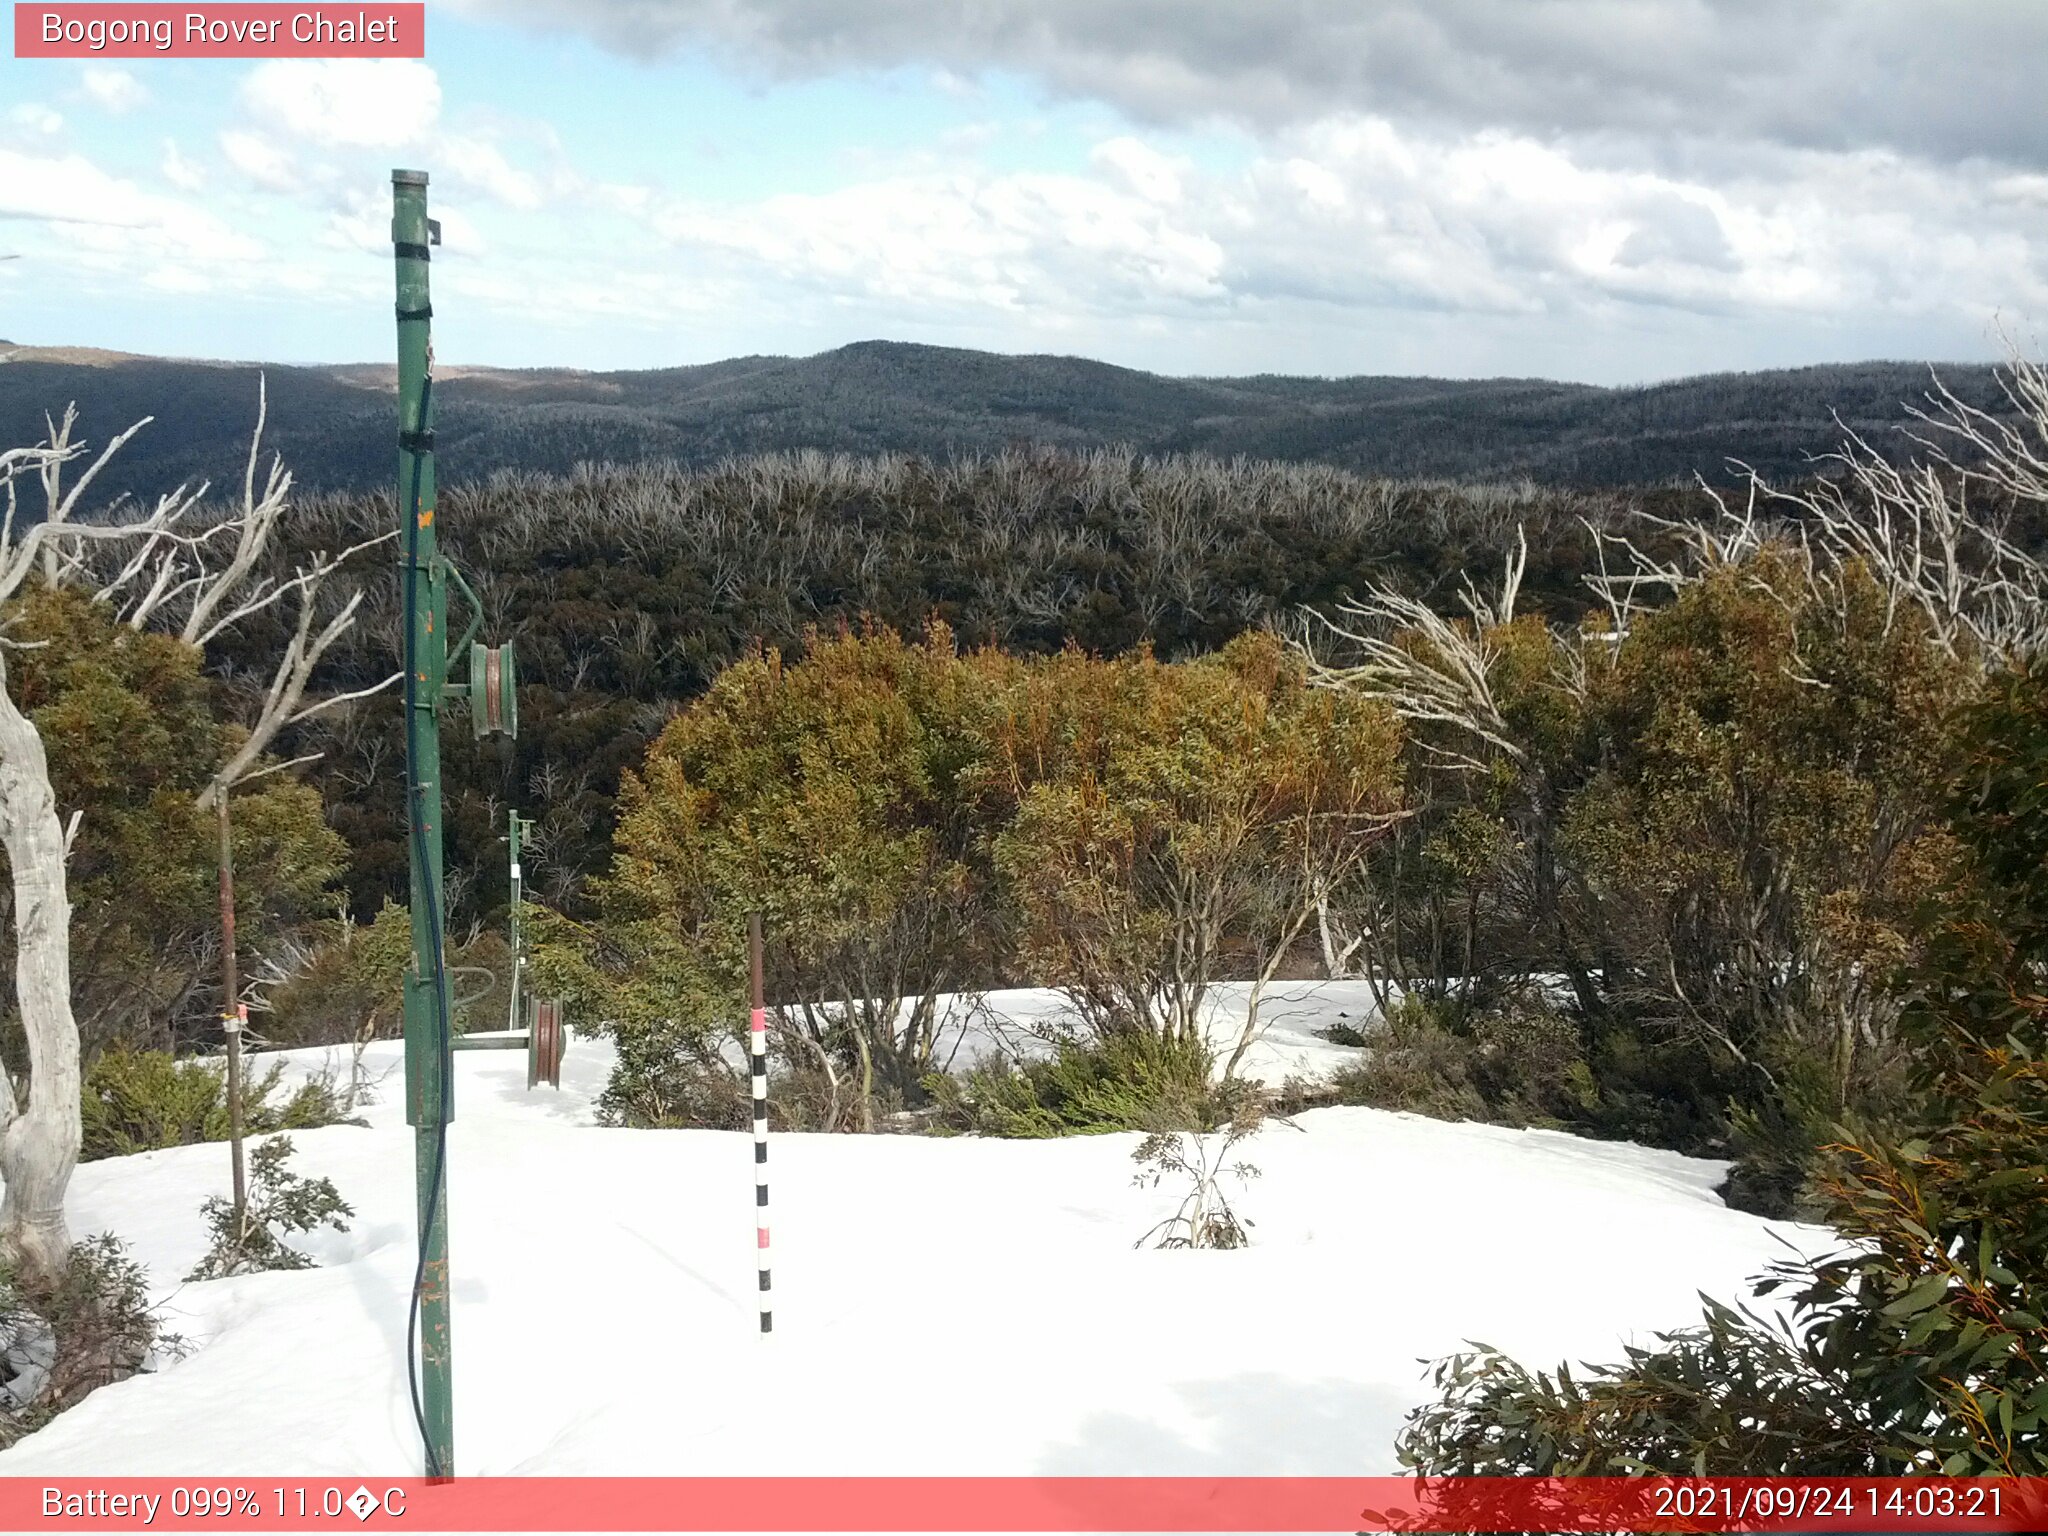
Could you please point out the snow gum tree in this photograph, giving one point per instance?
(1766, 824)
(1713, 816)
(827, 795)
(128, 720)
(184, 567)
(39, 1139)
(1173, 825)
(1918, 1348)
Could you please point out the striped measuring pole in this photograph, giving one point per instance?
(759, 1036)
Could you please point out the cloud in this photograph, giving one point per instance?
(963, 241)
(1570, 165)
(1947, 79)
(354, 103)
(1141, 168)
(180, 172)
(305, 120)
(112, 90)
(259, 161)
(478, 163)
(1358, 214)
(1441, 186)
(103, 213)
(35, 118)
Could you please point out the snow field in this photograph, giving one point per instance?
(943, 1306)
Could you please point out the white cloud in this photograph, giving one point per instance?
(1053, 243)
(112, 90)
(306, 121)
(180, 172)
(34, 117)
(482, 165)
(101, 213)
(1141, 168)
(1550, 168)
(1358, 214)
(259, 161)
(459, 234)
(1441, 209)
(358, 103)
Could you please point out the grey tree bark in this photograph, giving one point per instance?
(38, 1143)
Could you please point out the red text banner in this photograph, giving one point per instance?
(264, 31)
(975, 1504)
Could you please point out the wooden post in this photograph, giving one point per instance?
(232, 1014)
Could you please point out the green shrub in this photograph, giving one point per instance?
(1528, 1064)
(656, 1086)
(1417, 1063)
(128, 722)
(1517, 1063)
(1729, 1397)
(1661, 1088)
(65, 1338)
(279, 1204)
(349, 985)
(1131, 1080)
(1921, 1346)
(140, 1101)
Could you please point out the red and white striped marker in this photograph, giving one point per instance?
(759, 1033)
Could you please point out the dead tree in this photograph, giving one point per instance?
(39, 1138)
(160, 571)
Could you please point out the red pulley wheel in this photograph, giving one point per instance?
(544, 1050)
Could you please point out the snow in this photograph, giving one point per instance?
(1288, 1040)
(942, 1306)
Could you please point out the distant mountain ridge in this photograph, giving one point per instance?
(334, 424)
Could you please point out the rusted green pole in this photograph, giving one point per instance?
(428, 1042)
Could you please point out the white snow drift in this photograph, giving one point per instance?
(943, 1306)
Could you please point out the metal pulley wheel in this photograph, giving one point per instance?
(547, 1039)
(493, 691)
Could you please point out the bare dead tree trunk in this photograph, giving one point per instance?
(39, 1144)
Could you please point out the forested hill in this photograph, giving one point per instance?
(334, 425)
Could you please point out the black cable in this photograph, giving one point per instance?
(432, 899)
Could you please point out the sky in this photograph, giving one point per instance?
(1611, 191)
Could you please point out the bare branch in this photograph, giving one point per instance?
(1425, 667)
(346, 698)
(270, 768)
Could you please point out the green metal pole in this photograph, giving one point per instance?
(428, 1059)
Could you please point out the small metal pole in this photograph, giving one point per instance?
(232, 1015)
(516, 826)
(759, 1034)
